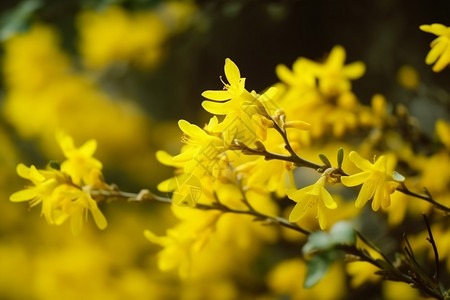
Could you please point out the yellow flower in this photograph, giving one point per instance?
(69, 201)
(184, 240)
(240, 107)
(232, 90)
(116, 35)
(334, 77)
(60, 198)
(79, 164)
(440, 46)
(32, 59)
(44, 181)
(311, 197)
(377, 180)
(65, 193)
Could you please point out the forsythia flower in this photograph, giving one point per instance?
(310, 197)
(65, 193)
(239, 105)
(79, 164)
(377, 180)
(334, 77)
(440, 46)
(118, 35)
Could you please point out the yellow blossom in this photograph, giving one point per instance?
(440, 46)
(65, 194)
(408, 77)
(377, 180)
(334, 77)
(312, 197)
(232, 90)
(79, 164)
(239, 106)
(115, 35)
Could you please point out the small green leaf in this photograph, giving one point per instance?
(342, 232)
(317, 267)
(317, 241)
(340, 157)
(17, 19)
(54, 165)
(325, 160)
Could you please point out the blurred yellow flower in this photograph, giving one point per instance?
(377, 180)
(408, 77)
(115, 35)
(443, 132)
(312, 197)
(334, 77)
(440, 46)
(32, 59)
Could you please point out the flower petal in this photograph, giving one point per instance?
(216, 108)
(322, 216)
(355, 179)
(232, 73)
(23, 195)
(354, 70)
(366, 192)
(443, 60)
(336, 56)
(302, 207)
(99, 218)
(360, 162)
(285, 74)
(217, 95)
(435, 52)
(327, 199)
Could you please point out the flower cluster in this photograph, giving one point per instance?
(256, 161)
(65, 192)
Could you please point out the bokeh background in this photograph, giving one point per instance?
(123, 72)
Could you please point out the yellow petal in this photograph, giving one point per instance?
(164, 158)
(99, 218)
(298, 125)
(30, 173)
(366, 192)
(436, 28)
(354, 70)
(191, 130)
(337, 56)
(301, 208)
(327, 199)
(443, 132)
(434, 53)
(154, 238)
(217, 95)
(360, 162)
(232, 73)
(355, 179)
(285, 74)
(443, 61)
(378, 196)
(89, 147)
(381, 164)
(23, 195)
(216, 108)
(322, 216)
